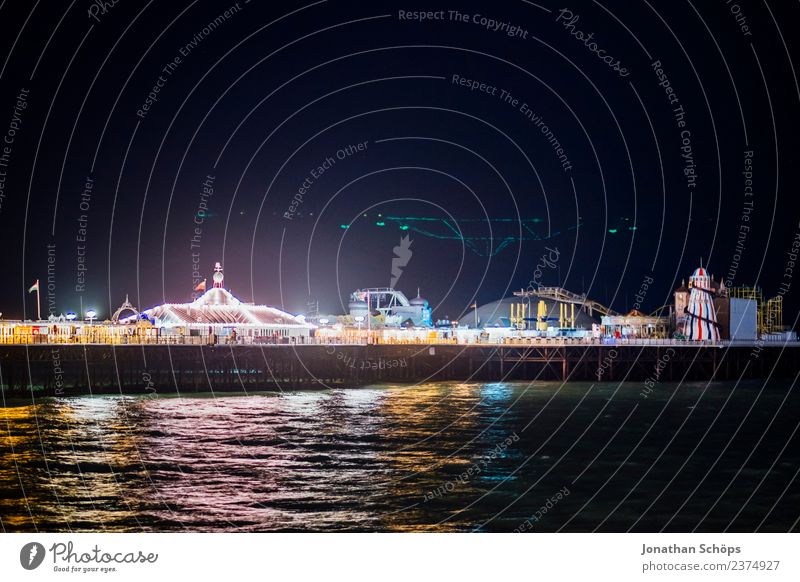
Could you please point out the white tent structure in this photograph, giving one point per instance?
(217, 312)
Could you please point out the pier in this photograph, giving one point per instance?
(61, 370)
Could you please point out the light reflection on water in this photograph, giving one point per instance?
(370, 458)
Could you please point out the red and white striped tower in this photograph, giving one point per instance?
(701, 319)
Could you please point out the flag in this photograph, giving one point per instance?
(201, 286)
(474, 306)
(34, 287)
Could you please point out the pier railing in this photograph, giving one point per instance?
(164, 340)
(211, 340)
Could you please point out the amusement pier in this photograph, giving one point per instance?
(218, 342)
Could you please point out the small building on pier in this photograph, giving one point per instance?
(635, 325)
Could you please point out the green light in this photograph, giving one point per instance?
(612, 230)
(342, 226)
(404, 227)
(632, 228)
(380, 223)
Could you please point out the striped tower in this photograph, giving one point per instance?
(701, 319)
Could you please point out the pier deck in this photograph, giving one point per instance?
(59, 369)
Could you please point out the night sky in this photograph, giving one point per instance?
(604, 142)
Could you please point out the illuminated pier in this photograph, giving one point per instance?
(218, 342)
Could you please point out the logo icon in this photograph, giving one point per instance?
(402, 254)
(31, 555)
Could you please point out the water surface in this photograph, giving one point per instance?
(433, 457)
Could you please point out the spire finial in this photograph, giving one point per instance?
(218, 276)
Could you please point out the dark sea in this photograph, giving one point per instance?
(501, 457)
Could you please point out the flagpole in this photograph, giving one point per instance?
(38, 302)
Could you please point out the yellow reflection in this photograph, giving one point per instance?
(435, 423)
(68, 461)
(17, 451)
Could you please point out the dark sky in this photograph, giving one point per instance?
(259, 94)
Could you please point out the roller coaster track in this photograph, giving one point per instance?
(563, 296)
